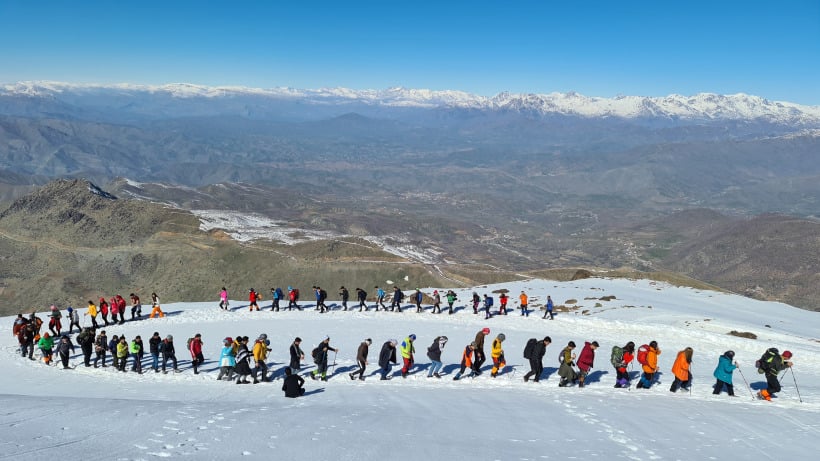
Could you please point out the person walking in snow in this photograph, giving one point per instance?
(650, 367)
(523, 299)
(136, 307)
(55, 325)
(243, 363)
(586, 361)
(114, 309)
(73, 319)
(361, 359)
(480, 358)
(397, 298)
(387, 358)
(549, 308)
(63, 348)
(155, 307)
(195, 348)
(121, 306)
(122, 353)
(488, 304)
(166, 348)
(92, 312)
(276, 295)
(434, 354)
(418, 296)
(252, 297)
(476, 301)
(223, 299)
(26, 339)
(466, 362)
(436, 303)
(100, 348)
(136, 354)
(502, 302)
(345, 294)
(227, 360)
(293, 384)
(537, 359)
(723, 372)
(320, 358)
(293, 298)
(104, 311)
(296, 355)
(497, 354)
(46, 346)
(683, 377)
(408, 352)
(621, 358)
(261, 349)
(380, 294)
(153, 347)
(565, 370)
(361, 295)
(86, 341)
(451, 298)
(112, 346)
(771, 364)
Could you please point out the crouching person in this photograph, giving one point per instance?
(293, 385)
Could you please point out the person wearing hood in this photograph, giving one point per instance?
(497, 354)
(121, 305)
(320, 358)
(434, 354)
(73, 319)
(86, 341)
(726, 365)
(621, 358)
(361, 359)
(104, 311)
(46, 344)
(586, 361)
(650, 367)
(166, 348)
(112, 346)
(408, 352)
(387, 358)
(100, 348)
(451, 299)
(227, 360)
(683, 377)
(361, 295)
(64, 347)
(502, 304)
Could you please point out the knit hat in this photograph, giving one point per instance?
(787, 354)
(412, 337)
(501, 337)
(326, 338)
(369, 341)
(169, 338)
(443, 338)
(472, 344)
(729, 354)
(486, 331)
(571, 344)
(595, 343)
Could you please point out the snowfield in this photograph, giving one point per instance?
(88, 413)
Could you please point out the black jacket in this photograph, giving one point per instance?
(292, 385)
(538, 351)
(153, 344)
(295, 356)
(388, 354)
(361, 356)
(434, 351)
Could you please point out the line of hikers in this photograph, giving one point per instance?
(241, 362)
(396, 298)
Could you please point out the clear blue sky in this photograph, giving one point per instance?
(768, 48)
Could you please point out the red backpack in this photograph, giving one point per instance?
(642, 352)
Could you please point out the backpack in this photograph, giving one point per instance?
(642, 352)
(489, 301)
(617, 356)
(315, 354)
(529, 348)
(763, 364)
(296, 294)
(190, 340)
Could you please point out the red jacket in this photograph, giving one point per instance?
(587, 357)
(252, 296)
(196, 347)
(627, 358)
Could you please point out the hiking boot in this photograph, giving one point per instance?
(438, 376)
(351, 376)
(361, 378)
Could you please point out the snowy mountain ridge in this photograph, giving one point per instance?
(701, 106)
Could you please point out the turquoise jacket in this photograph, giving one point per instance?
(724, 369)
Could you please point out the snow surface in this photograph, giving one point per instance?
(88, 413)
(701, 106)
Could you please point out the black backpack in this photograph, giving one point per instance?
(315, 354)
(529, 348)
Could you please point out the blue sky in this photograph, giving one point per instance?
(654, 48)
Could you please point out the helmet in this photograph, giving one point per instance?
(787, 354)
(169, 338)
(263, 336)
(501, 337)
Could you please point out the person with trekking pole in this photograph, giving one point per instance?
(770, 365)
(320, 354)
(723, 374)
(648, 358)
(681, 370)
(795, 385)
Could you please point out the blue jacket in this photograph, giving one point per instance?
(227, 357)
(381, 293)
(724, 369)
(549, 305)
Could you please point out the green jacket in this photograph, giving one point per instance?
(46, 344)
(407, 348)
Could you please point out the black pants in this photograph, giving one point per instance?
(680, 383)
(94, 322)
(100, 356)
(772, 383)
(64, 359)
(197, 361)
(536, 368)
(360, 371)
(87, 355)
(166, 358)
(719, 387)
(480, 358)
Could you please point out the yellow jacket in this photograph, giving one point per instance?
(497, 350)
(260, 351)
(92, 310)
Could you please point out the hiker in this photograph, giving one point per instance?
(683, 377)
(771, 364)
(227, 360)
(112, 346)
(345, 294)
(320, 358)
(380, 294)
(387, 358)
(649, 364)
(321, 297)
(534, 352)
(54, 322)
(488, 303)
(567, 361)
(418, 296)
(100, 348)
(723, 373)
(252, 297)
(480, 358)
(63, 347)
(26, 337)
(502, 300)
(166, 348)
(586, 360)
(466, 362)
(397, 297)
(195, 348)
(136, 354)
(620, 359)
(361, 295)
(121, 305)
(451, 298)
(92, 312)
(104, 311)
(114, 309)
(261, 350)
(153, 348)
(276, 296)
(293, 384)
(296, 355)
(523, 300)
(243, 363)
(46, 344)
(86, 341)
(122, 353)
(136, 307)
(476, 301)
(408, 351)
(361, 359)
(73, 319)
(550, 306)
(434, 354)
(293, 298)
(19, 323)
(436, 303)
(155, 309)
(497, 354)
(223, 299)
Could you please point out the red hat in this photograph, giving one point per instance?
(787, 354)
(486, 331)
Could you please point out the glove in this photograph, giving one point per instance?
(736, 364)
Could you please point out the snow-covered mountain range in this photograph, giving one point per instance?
(698, 107)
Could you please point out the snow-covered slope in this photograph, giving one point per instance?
(103, 414)
(703, 106)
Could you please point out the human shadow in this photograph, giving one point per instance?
(318, 390)
(595, 376)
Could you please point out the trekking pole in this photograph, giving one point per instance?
(795, 385)
(629, 377)
(747, 383)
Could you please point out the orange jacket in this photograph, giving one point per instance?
(681, 366)
(467, 357)
(523, 299)
(652, 360)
